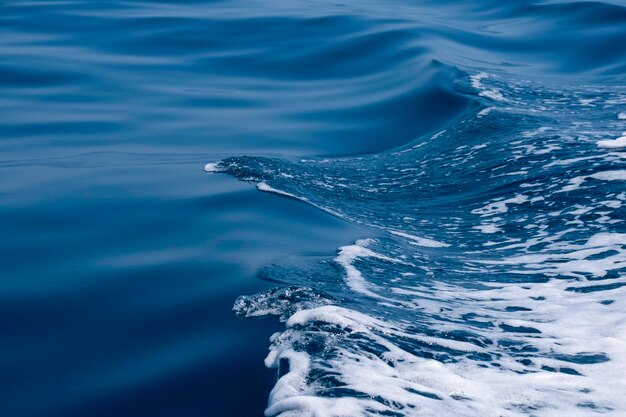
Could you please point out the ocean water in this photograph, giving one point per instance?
(297, 208)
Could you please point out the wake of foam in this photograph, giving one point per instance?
(545, 349)
(499, 288)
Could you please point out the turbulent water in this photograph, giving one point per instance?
(494, 281)
(477, 147)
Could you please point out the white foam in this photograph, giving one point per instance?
(414, 385)
(576, 182)
(617, 175)
(346, 258)
(269, 189)
(488, 228)
(536, 132)
(622, 116)
(564, 162)
(484, 91)
(485, 112)
(435, 136)
(499, 207)
(420, 241)
(612, 144)
(573, 260)
(212, 167)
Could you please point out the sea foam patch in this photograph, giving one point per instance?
(614, 144)
(212, 167)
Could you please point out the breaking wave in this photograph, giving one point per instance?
(494, 280)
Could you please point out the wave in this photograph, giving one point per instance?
(493, 283)
(480, 145)
(498, 286)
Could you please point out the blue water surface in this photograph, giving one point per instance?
(454, 183)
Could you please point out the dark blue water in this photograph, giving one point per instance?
(442, 230)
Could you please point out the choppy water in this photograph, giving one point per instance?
(444, 233)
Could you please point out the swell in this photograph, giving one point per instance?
(315, 78)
